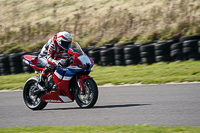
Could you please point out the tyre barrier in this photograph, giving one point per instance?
(94, 54)
(176, 53)
(162, 51)
(132, 55)
(15, 63)
(120, 54)
(107, 57)
(4, 64)
(190, 50)
(147, 53)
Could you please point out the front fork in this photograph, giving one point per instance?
(80, 82)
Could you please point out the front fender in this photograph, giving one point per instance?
(85, 77)
(81, 80)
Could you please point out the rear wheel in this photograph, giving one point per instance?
(32, 101)
(90, 97)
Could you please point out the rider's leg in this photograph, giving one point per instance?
(44, 74)
(43, 61)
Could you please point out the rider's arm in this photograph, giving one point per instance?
(50, 55)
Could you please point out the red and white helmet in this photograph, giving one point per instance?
(64, 40)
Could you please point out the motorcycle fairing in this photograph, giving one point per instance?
(66, 73)
(62, 94)
(85, 60)
(32, 61)
(62, 77)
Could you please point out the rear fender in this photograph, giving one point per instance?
(80, 81)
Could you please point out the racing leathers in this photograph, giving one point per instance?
(51, 55)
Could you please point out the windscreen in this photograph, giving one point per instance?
(75, 47)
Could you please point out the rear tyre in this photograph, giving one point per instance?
(32, 101)
(90, 97)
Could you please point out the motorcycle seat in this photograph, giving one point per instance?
(40, 66)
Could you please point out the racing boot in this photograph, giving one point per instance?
(43, 76)
(41, 83)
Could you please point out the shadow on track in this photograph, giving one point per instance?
(101, 106)
(120, 106)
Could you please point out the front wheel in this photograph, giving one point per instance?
(90, 97)
(32, 101)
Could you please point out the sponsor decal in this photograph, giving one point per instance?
(53, 101)
(74, 67)
(66, 78)
(65, 99)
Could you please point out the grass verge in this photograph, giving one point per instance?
(158, 73)
(101, 129)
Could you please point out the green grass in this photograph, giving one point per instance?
(158, 73)
(101, 129)
(14, 81)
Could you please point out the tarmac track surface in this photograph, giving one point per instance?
(160, 105)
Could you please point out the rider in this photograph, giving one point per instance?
(52, 54)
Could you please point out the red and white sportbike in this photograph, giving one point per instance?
(63, 84)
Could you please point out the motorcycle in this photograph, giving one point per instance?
(63, 84)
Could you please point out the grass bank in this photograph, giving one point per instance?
(158, 73)
(101, 129)
(26, 25)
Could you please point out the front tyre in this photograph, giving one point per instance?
(90, 97)
(32, 101)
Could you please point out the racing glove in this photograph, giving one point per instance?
(65, 62)
(62, 63)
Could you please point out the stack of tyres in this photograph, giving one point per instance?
(162, 51)
(15, 63)
(190, 46)
(147, 54)
(119, 56)
(94, 54)
(4, 64)
(132, 55)
(190, 50)
(107, 57)
(119, 52)
(176, 51)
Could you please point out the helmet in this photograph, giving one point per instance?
(64, 40)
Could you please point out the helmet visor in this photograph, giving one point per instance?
(65, 44)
